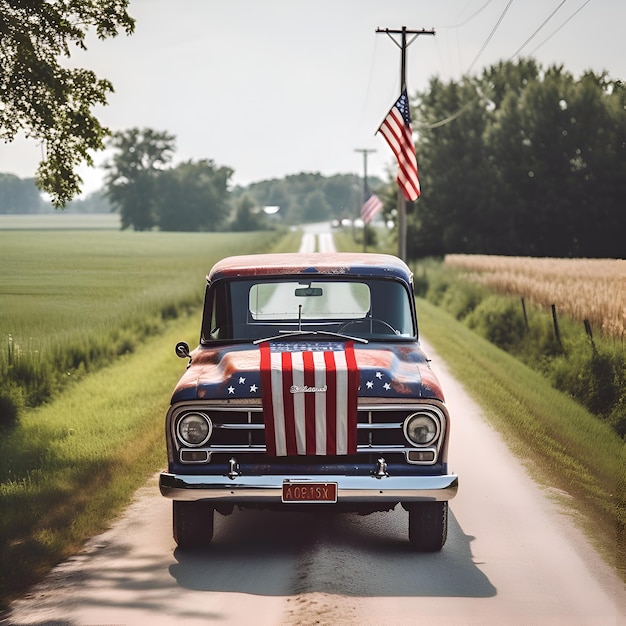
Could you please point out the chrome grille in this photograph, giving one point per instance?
(241, 431)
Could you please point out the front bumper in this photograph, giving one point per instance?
(268, 489)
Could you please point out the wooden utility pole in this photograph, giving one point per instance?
(403, 45)
(365, 152)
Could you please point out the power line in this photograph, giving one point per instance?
(471, 17)
(458, 113)
(561, 26)
(448, 119)
(537, 31)
(491, 34)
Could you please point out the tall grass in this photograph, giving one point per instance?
(592, 289)
(590, 369)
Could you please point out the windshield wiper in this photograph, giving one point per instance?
(298, 333)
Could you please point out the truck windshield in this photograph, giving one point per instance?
(254, 309)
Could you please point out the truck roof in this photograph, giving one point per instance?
(311, 264)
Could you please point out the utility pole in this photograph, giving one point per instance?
(403, 45)
(365, 152)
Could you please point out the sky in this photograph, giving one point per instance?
(272, 88)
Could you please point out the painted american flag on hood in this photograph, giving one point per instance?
(309, 395)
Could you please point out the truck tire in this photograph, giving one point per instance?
(428, 525)
(193, 524)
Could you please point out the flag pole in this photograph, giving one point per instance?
(401, 206)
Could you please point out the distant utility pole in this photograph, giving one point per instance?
(403, 45)
(365, 152)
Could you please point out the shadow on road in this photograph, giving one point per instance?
(269, 553)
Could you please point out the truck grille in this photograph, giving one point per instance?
(241, 432)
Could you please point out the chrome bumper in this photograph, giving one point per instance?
(268, 489)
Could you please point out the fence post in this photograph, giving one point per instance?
(10, 350)
(555, 321)
(525, 315)
(589, 333)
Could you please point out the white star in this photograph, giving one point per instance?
(379, 375)
(253, 388)
(369, 384)
(387, 386)
(231, 389)
(242, 380)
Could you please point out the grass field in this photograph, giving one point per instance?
(73, 300)
(56, 284)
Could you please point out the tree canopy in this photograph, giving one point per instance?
(132, 174)
(46, 100)
(521, 161)
(149, 193)
(194, 197)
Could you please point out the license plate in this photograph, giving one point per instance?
(309, 492)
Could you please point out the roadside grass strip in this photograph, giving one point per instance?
(73, 465)
(562, 445)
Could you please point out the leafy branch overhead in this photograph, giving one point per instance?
(43, 99)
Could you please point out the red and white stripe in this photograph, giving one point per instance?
(398, 134)
(370, 208)
(320, 421)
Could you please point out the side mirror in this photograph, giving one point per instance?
(182, 350)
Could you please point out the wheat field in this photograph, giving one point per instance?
(584, 289)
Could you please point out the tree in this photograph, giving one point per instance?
(246, 218)
(315, 208)
(131, 181)
(452, 168)
(49, 102)
(560, 148)
(193, 197)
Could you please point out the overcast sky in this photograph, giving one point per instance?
(278, 87)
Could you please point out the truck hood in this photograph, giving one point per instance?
(232, 372)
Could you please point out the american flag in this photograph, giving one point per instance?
(371, 206)
(309, 395)
(396, 129)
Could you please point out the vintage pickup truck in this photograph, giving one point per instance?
(308, 389)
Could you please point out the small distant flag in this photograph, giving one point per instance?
(396, 129)
(371, 206)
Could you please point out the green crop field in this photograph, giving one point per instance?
(56, 284)
(73, 300)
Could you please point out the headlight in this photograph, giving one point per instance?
(194, 429)
(421, 429)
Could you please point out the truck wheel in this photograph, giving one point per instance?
(193, 524)
(428, 525)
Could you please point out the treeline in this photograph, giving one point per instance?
(151, 193)
(311, 197)
(20, 196)
(520, 161)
